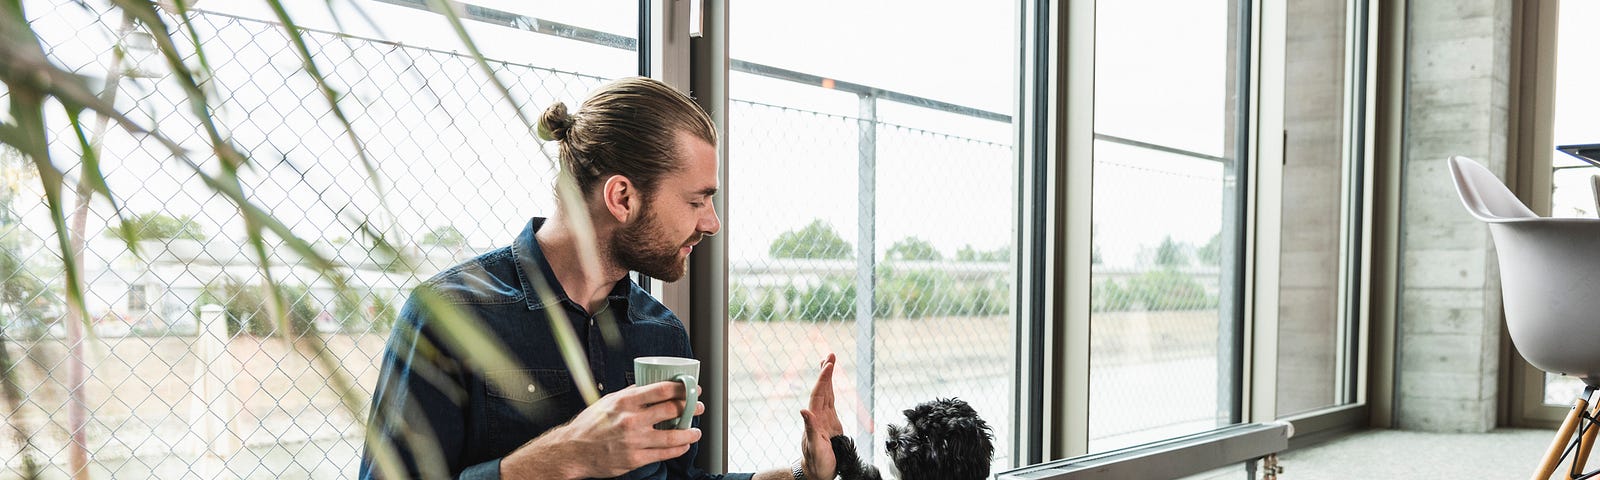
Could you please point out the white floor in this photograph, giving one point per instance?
(1506, 453)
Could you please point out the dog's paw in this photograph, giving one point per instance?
(849, 465)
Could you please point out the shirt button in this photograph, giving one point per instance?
(531, 388)
(601, 385)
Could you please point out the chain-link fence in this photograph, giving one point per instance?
(887, 245)
(1156, 274)
(181, 373)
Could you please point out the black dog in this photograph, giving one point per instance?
(943, 440)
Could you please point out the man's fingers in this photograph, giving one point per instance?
(668, 410)
(822, 392)
(805, 418)
(653, 393)
(669, 439)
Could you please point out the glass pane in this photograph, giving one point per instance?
(174, 390)
(1165, 222)
(1573, 192)
(1313, 325)
(1162, 72)
(1577, 45)
(876, 229)
(1559, 390)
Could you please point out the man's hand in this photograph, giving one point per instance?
(822, 424)
(614, 436)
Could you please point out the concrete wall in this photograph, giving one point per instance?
(1457, 90)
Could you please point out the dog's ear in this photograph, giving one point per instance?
(974, 439)
(848, 464)
(945, 439)
(971, 446)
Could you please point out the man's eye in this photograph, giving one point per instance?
(697, 204)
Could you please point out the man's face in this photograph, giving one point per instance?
(673, 218)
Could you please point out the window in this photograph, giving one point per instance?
(137, 301)
(1321, 209)
(872, 204)
(1167, 221)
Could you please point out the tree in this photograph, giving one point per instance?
(815, 241)
(1168, 289)
(247, 309)
(969, 254)
(1211, 253)
(26, 301)
(1170, 254)
(158, 226)
(912, 249)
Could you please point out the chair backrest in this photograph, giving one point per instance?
(1483, 193)
(1549, 275)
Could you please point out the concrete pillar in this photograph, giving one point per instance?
(1457, 90)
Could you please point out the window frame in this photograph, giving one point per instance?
(1054, 137)
(1533, 59)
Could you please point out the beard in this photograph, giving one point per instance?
(644, 247)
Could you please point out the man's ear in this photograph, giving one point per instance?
(621, 198)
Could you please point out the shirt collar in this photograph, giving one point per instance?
(532, 265)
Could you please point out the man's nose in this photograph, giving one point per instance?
(710, 224)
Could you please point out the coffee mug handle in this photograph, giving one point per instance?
(691, 396)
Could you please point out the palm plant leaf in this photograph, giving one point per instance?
(32, 81)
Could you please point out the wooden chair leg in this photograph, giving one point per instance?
(1552, 457)
(1587, 444)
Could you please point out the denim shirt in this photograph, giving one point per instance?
(445, 416)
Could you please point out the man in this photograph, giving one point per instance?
(643, 157)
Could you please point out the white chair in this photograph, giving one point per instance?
(1550, 282)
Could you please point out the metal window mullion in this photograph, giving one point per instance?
(866, 264)
(1034, 140)
(1259, 385)
(1354, 194)
(705, 69)
(1232, 312)
(1071, 217)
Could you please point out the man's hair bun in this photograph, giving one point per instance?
(554, 123)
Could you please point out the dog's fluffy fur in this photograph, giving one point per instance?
(942, 440)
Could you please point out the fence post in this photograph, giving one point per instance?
(214, 405)
(866, 263)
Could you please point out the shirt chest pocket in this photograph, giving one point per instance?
(525, 403)
(527, 385)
